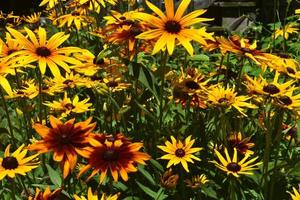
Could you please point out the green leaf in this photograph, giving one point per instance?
(120, 186)
(147, 190)
(54, 176)
(131, 198)
(146, 174)
(157, 165)
(199, 57)
(161, 194)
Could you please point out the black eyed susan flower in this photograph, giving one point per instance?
(180, 152)
(288, 101)
(47, 194)
(77, 18)
(233, 166)
(285, 31)
(33, 19)
(46, 53)
(296, 194)
(7, 66)
(8, 46)
(50, 3)
(173, 25)
(242, 145)
(228, 98)
(66, 140)
(115, 83)
(95, 5)
(92, 196)
(66, 106)
(16, 163)
(116, 154)
(196, 181)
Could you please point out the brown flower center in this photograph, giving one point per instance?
(43, 51)
(246, 50)
(11, 51)
(69, 106)
(223, 100)
(285, 100)
(110, 155)
(135, 31)
(290, 70)
(75, 13)
(180, 153)
(271, 89)
(172, 26)
(67, 82)
(192, 85)
(10, 163)
(233, 167)
(112, 84)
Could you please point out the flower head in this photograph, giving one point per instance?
(173, 25)
(46, 195)
(92, 196)
(66, 140)
(116, 154)
(296, 195)
(233, 166)
(180, 152)
(16, 163)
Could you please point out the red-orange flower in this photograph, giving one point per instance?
(66, 140)
(114, 153)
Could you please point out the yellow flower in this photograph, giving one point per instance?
(33, 19)
(8, 47)
(16, 163)
(92, 196)
(227, 98)
(66, 106)
(233, 166)
(46, 195)
(196, 181)
(286, 30)
(171, 26)
(179, 152)
(95, 5)
(296, 195)
(46, 53)
(77, 17)
(243, 146)
(50, 3)
(7, 66)
(270, 88)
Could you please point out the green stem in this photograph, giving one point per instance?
(161, 103)
(12, 137)
(20, 180)
(13, 189)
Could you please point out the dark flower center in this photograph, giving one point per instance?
(271, 89)
(111, 139)
(67, 82)
(75, 13)
(10, 163)
(122, 18)
(11, 51)
(172, 26)
(285, 100)
(290, 70)
(135, 31)
(98, 61)
(223, 100)
(241, 147)
(69, 106)
(110, 155)
(246, 50)
(112, 84)
(180, 153)
(233, 167)
(192, 85)
(20, 92)
(43, 51)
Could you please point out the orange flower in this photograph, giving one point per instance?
(66, 140)
(115, 153)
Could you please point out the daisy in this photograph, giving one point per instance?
(116, 154)
(16, 163)
(233, 166)
(92, 196)
(173, 25)
(46, 53)
(180, 152)
(66, 140)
